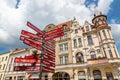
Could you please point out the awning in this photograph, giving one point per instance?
(34, 76)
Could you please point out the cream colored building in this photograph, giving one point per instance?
(4, 58)
(86, 52)
(10, 73)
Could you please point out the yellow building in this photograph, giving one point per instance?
(86, 52)
(4, 57)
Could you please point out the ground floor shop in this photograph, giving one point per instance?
(87, 73)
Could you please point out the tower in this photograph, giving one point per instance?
(106, 41)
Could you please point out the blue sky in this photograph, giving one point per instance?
(44, 12)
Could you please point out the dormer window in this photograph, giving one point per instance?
(76, 31)
(64, 27)
(87, 28)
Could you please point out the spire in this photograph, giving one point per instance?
(74, 18)
(97, 13)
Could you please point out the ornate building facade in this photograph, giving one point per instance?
(86, 52)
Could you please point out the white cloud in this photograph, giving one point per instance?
(42, 13)
(115, 29)
(104, 5)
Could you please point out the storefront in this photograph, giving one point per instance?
(97, 75)
(81, 75)
(33, 77)
(61, 76)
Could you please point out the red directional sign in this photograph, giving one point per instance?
(32, 68)
(33, 56)
(22, 37)
(34, 28)
(54, 36)
(47, 63)
(24, 60)
(49, 52)
(49, 58)
(47, 69)
(26, 68)
(32, 44)
(29, 34)
(50, 48)
(53, 31)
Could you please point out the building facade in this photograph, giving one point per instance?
(86, 52)
(4, 57)
(10, 73)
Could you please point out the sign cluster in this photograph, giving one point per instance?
(43, 41)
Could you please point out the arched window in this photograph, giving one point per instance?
(105, 36)
(81, 75)
(97, 75)
(110, 52)
(90, 41)
(93, 55)
(80, 42)
(79, 57)
(76, 31)
(61, 76)
(75, 43)
(64, 27)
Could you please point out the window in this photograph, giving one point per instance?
(76, 31)
(46, 77)
(97, 75)
(79, 42)
(64, 27)
(66, 59)
(2, 58)
(79, 57)
(100, 35)
(100, 22)
(110, 52)
(66, 46)
(3, 66)
(75, 43)
(98, 50)
(0, 66)
(65, 35)
(90, 41)
(87, 28)
(109, 33)
(61, 47)
(20, 78)
(104, 52)
(6, 58)
(61, 60)
(104, 34)
(93, 55)
(81, 75)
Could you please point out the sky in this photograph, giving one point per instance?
(14, 15)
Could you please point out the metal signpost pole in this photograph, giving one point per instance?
(42, 57)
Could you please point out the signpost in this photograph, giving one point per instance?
(43, 41)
